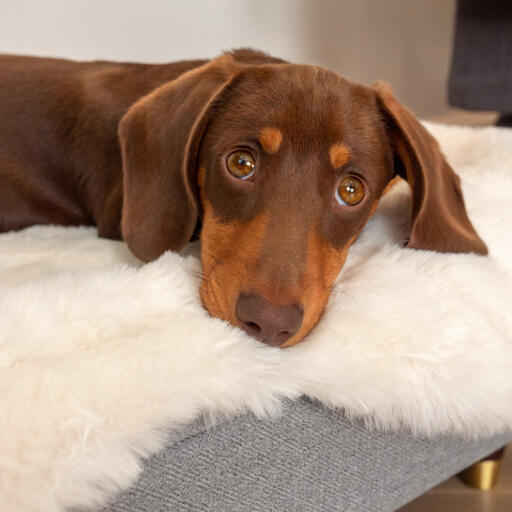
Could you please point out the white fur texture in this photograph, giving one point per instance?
(99, 354)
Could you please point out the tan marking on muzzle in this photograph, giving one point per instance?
(270, 139)
(339, 155)
(229, 254)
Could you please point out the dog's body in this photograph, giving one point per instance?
(60, 160)
(153, 153)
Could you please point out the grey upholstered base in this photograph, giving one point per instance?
(311, 459)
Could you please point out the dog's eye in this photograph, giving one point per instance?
(241, 164)
(350, 191)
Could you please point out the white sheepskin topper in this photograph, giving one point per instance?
(99, 354)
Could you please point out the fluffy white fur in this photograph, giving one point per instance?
(99, 354)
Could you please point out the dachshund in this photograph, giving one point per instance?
(275, 166)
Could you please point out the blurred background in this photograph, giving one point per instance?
(407, 43)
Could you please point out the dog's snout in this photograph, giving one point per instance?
(270, 323)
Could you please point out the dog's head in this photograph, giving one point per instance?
(281, 165)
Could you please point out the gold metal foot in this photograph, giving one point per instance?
(484, 474)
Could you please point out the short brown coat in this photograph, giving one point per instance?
(120, 145)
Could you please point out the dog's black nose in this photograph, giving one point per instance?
(271, 324)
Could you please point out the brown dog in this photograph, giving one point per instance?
(277, 165)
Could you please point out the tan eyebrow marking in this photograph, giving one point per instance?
(270, 139)
(339, 155)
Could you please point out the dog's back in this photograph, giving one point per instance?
(59, 154)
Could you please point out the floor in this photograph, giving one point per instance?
(454, 496)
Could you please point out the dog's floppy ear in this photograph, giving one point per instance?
(439, 218)
(159, 136)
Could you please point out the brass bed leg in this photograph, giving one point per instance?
(484, 474)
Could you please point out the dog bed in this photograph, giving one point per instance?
(101, 358)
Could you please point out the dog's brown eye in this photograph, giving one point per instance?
(350, 191)
(241, 164)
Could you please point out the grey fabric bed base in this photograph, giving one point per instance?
(311, 459)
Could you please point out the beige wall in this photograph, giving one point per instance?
(406, 42)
